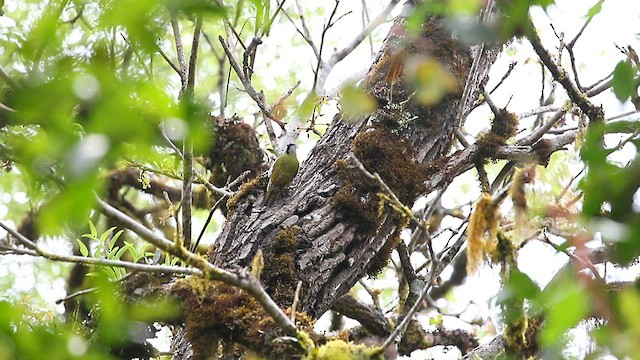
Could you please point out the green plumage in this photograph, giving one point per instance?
(282, 172)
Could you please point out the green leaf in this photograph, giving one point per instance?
(105, 236)
(83, 248)
(112, 252)
(522, 283)
(430, 79)
(566, 303)
(464, 7)
(623, 82)
(595, 10)
(196, 7)
(92, 228)
(117, 235)
(71, 207)
(120, 252)
(355, 103)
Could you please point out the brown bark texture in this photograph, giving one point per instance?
(329, 246)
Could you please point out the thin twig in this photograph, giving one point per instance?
(166, 58)
(148, 72)
(595, 114)
(170, 143)
(285, 95)
(305, 33)
(402, 326)
(512, 66)
(585, 263)
(182, 64)
(566, 188)
(257, 97)
(375, 299)
(268, 24)
(544, 128)
(296, 298)
(537, 111)
(206, 223)
(379, 19)
(320, 63)
(570, 47)
(35, 250)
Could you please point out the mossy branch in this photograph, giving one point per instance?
(240, 279)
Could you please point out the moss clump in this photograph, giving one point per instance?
(342, 350)
(390, 156)
(379, 261)
(504, 126)
(279, 276)
(244, 190)
(235, 150)
(482, 231)
(513, 309)
(357, 198)
(215, 310)
(387, 154)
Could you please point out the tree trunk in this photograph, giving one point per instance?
(326, 230)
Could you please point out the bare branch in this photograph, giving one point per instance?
(257, 97)
(38, 251)
(339, 55)
(512, 66)
(537, 111)
(285, 95)
(320, 63)
(182, 64)
(594, 113)
(191, 77)
(540, 131)
(166, 58)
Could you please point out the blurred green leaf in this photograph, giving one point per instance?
(595, 10)
(429, 78)
(623, 82)
(83, 248)
(464, 7)
(70, 207)
(195, 7)
(565, 303)
(22, 338)
(138, 18)
(94, 231)
(355, 103)
(523, 285)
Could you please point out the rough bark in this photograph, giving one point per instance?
(332, 251)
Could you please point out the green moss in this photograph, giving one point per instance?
(216, 310)
(379, 261)
(279, 276)
(357, 198)
(504, 253)
(243, 190)
(390, 156)
(342, 350)
(516, 318)
(504, 126)
(387, 154)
